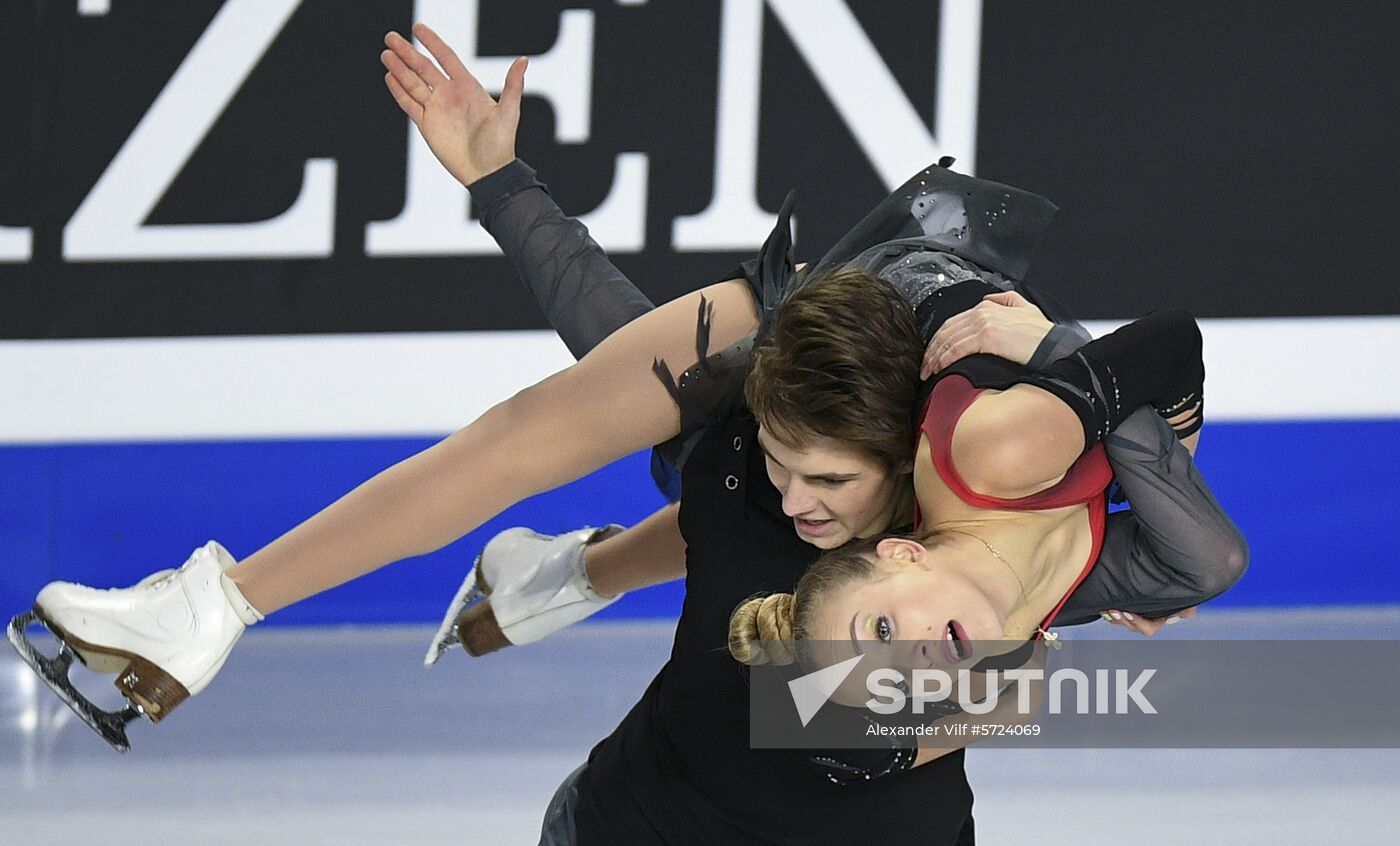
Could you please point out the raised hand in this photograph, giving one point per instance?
(469, 131)
(1005, 324)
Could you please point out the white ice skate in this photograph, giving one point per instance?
(537, 585)
(165, 637)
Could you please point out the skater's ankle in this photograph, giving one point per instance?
(600, 585)
(242, 586)
(240, 604)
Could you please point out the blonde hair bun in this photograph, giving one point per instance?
(761, 630)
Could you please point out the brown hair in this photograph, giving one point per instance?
(780, 620)
(841, 361)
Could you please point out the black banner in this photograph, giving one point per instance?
(1232, 158)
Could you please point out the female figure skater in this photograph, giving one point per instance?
(1014, 514)
(678, 769)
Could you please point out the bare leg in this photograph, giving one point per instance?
(647, 554)
(608, 405)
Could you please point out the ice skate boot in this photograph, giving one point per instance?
(536, 586)
(165, 638)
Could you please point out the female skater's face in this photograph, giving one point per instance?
(832, 491)
(923, 615)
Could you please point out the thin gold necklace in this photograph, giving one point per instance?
(1052, 638)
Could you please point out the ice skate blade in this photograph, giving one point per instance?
(154, 692)
(109, 725)
(446, 636)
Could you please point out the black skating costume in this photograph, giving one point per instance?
(678, 768)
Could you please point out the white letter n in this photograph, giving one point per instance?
(861, 87)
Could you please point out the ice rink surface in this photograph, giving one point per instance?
(338, 736)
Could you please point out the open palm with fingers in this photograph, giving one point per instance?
(470, 132)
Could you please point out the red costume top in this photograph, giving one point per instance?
(1086, 482)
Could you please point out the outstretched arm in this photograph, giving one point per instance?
(608, 405)
(583, 295)
(649, 553)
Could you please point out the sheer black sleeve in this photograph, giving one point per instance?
(1175, 548)
(586, 298)
(583, 295)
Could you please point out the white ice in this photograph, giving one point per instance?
(339, 736)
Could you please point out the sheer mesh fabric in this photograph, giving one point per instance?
(1175, 548)
(582, 294)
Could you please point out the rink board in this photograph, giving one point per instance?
(119, 456)
(1315, 499)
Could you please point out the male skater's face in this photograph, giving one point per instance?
(832, 491)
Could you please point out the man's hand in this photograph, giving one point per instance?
(470, 132)
(1142, 625)
(1005, 324)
